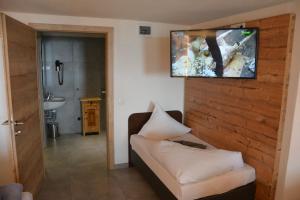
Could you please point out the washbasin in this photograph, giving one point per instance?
(54, 102)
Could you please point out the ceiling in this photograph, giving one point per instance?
(170, 11)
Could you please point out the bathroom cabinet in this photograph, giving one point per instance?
(90, 115)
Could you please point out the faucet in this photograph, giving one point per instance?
(49, 96)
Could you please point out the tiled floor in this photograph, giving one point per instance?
(76, 170)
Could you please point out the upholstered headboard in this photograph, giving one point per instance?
(137, 120)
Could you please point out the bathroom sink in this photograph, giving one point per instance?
(54, 102)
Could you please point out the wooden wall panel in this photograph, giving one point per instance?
(246, 115)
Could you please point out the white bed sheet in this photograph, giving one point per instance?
(212, 186)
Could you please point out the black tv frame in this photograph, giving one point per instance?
(217, 29)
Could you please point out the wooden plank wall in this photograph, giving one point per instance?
(247, 115)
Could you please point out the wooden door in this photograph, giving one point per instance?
(7, 164)
(23, 99)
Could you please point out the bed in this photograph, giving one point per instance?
(235, 185)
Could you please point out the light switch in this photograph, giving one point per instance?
(120, 101)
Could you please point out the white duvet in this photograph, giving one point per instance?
(189, 165)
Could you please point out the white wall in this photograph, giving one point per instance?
(289, 172)
(141, 69)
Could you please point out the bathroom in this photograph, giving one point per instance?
(72, 75)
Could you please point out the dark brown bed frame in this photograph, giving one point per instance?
(135, 123)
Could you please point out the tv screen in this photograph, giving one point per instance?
(221, 53)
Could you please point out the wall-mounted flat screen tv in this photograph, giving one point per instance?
(220, 53)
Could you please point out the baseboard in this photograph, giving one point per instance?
(121, 166)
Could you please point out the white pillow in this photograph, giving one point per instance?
(162, 126)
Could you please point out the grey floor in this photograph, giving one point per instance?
(76, 170)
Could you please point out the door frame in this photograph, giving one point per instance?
(108, 35)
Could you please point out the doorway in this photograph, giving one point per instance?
(72, 71)
(106, 33)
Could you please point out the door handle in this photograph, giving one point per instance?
(17, 123)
